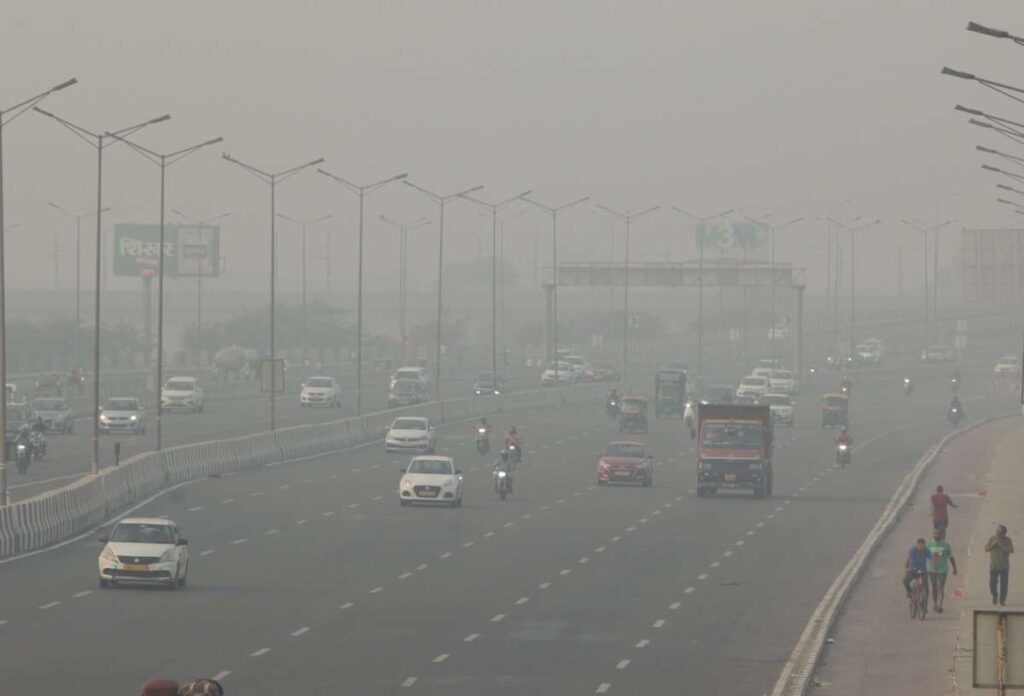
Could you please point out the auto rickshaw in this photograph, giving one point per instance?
(835, 411)
(633, 414)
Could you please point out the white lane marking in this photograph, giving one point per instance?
(679, 497)
(584, 560)
(227, 500)
(333, 476)
(751, 533)
(300, 522)
(760, 524)
(656, 512)
(616, 538)
(727, 554)
(83, 593)
(623, 664)
(566, 571)
(690, 492)
(715, 564)
(739, 543)
(702, 576)
(544, 586)
(689, 589)
(560, 501)
(405, 575)
(446, 554)
(778, 509)
(599, 549)
(770, 516)
(488, 535)
(285, 486)
(376, 590)
(221, 675)
(786, 502)
(329, 512)
(442, 657)
(575, 494)
(471, 637)
(409, 682)
(659, 623)
(300, 631)
(497, 617)
(467, 544)
(207, 552)
(643, 521)
(239, 541)
(630, 529)
(352, 506)
(527, 516)
(312, 481)
(603, 688)
(270, 532)
(347, 605)
(422, 566)
(508, 524)
(49, 605)
(675, 605)
(256, 493)
(195, 509)
(522, 600)
(260, 652)
(643, 643)
(545, 507)
(379, 497)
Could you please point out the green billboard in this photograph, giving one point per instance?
(189, 250)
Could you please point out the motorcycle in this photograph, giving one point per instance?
(908, 386)
(483, 442)
(38, 441)
(843, 455)
(24, 458)
(612, 408)
(515, 452)
(954, 384)
(844, 389)
(955, 416)
(813, 370)
(502, 483)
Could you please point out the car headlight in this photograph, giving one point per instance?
(406, 483)
(134, 417)
(21, 447)
(108, 554)
(448, 483)
(502, 474)
(167, 556)
(103, 419)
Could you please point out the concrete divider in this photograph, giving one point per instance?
(65, 512)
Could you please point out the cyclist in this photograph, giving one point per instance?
(917, 566)
(940, 558)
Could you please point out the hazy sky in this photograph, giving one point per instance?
(785, 107)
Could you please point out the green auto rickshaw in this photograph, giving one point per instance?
(835, 411)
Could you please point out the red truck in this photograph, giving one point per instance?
(734, 448)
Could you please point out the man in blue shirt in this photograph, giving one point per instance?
(917, 565)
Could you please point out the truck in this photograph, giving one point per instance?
(669, 392)
(734, 448)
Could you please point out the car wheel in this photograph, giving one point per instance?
(601, 483)
(104, 583)
(403, 503)
(183, 580)
(648, 482)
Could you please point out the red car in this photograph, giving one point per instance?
(624, 461)
(602, 371)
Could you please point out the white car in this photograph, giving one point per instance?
(564, 374)
(868, 354)
(769, 363)
(144, 549)
(1008, 365)
(782, 381)
(123, 414)
(765, 372)
(182, 393)
(320, 391)
(432, 480)
(579, 366)
(416, 373)
(410, 434)
(781, 407)
(752, 386)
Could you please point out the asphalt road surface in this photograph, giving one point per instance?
(309, 578)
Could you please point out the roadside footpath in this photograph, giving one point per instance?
(876, 648)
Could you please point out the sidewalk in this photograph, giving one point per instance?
(877, 648)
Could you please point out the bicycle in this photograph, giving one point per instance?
(918, 598)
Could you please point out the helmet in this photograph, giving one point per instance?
(202, 687)
(484, 420)
(843, 431)
(512, 429)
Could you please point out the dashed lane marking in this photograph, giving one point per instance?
(376, 590)
(497, 617)
(269, 532)
(347, 605)
(688, 590)
(49, 605)
(405, 575)
(603, 688)
(83, 593)
(442, 657)
(207, 552)
(471, 637)
(298, 632)
(409, 682)
(659, 623)
(239, 541)
(643, 643)
(522, 600)
(260, 652)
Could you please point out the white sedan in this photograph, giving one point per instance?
(1008, 365)
(144, 549)
(433, 480)
(410, 434)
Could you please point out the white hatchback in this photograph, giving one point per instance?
(1007, 365)
(782, 381)
(433, 480)
(410, 434)
(144, 549)
(320, 391)
(752, 385)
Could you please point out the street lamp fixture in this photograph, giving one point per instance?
(1000, 87)
(995, 33)
(272, 179)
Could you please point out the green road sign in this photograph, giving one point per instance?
(189, 250)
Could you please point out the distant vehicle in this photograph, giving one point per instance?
(603, 371)
(938, 354)
(1007, 365)
(676, 365)
(489, 383)
(18, 416)
(432, 480)
(56, 414)
(778, 332)
(734, 449)
(579, 366)
(781, 406)
(144, 549)
(182, 394)
(320, 391)
(669, 393)
(563, 374)
(752, 385)
(410, 434)
(419, 374)
(782, 381)
(769, 364)
(625, 462)
(719, 394)
(123, 414)
(408, 392)
(867, 354)
(49, 384)
(12, 393)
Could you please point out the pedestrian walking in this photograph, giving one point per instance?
(999, 548)
(940, 510)
(939, 560)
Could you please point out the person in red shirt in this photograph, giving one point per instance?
(940, 510)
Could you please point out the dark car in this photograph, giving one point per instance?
(625, 462)
(489, 383)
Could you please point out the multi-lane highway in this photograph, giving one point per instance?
(309, 577)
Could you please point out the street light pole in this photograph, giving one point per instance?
(700, 279)
(772, 229)
(924, 230)
(162, 160)
(303, 225)
(494, 208)
(553, 358)
(98, 141)
(403, 242)
(628, 218)
(360, 191)
(853, 273)
(441, 201)
(202, 225)
(272, 179)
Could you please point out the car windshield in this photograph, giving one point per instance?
(782, 374)
(180, 385)
(142, 533)
(409, 424)
(739, 435)
(776, 400)
(406, 386)
(753, 381)
(407, 374)
(122, 405)
(624, 449)
(49, 405)
(319, 383)
(430, 466)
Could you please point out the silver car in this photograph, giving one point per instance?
(56, 414)
(123, 414)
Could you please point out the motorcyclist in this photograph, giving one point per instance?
(38, 426)
(512, 438)
(908, 385)
(843, 438)
(688, 414)
(613, 402)
(845, 383)
(957, 406)
(484, 425)
(24, 437)
(504, 463)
